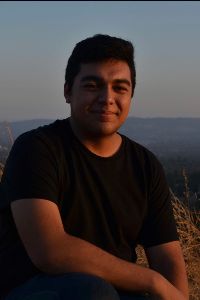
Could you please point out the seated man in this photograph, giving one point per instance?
(77, 196)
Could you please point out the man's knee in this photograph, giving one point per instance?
(90, 287)
(70, 286)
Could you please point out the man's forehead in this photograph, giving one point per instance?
(113, 68)
(100, 79)
(107, 62)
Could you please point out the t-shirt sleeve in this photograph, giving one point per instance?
(159, 226)
(31, 170)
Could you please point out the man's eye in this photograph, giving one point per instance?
(90, 85)
(120, 88)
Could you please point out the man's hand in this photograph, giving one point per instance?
(164, 290)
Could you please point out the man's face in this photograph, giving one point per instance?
(100, 98)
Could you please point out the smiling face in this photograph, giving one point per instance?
(100, 98)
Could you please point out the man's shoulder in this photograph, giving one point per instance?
(141, 153)
(49, 132)
(137, 147)
(47, 138)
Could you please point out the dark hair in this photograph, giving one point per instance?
(99, 48)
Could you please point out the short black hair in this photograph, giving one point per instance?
(99, 48)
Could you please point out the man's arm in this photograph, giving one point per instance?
(54, 251)
(167, 259)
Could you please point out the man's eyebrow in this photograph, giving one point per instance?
(90, 77)
(97, 78)
(126, 81)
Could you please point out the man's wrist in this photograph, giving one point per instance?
(161, 288)
(157, 284)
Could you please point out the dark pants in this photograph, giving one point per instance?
(70, 286)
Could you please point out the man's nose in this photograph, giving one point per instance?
(106, 96)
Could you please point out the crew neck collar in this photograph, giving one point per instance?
(92, 154)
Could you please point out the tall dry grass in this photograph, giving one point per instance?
(188, 226)
(1, 170)
(189, 233)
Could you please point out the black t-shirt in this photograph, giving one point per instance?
(115, 202)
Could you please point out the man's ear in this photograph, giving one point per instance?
(66, 93)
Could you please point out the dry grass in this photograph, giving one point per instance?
(1, 170)
(189, 233)
(188, 225)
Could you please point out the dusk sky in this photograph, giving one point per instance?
(36, 39)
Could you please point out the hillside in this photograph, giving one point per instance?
(149, 131)
(177, 138)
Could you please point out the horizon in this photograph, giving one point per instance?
(132, 117)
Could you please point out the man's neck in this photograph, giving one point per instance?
(104, 146)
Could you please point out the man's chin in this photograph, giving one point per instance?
(94, 129)
(105, 130)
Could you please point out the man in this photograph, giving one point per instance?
(77, 196)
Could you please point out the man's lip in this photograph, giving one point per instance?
(104, 112)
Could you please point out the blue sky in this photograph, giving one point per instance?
(38, 37)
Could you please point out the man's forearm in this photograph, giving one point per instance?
(77, 255)
(167, 259)
(176, 274)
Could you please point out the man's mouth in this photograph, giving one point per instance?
(104, 112)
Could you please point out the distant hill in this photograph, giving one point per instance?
(20, 127)
(164, 136)
(150, 130)
(140, 128)
(175, 141)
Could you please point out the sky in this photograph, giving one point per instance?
(37, 38)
